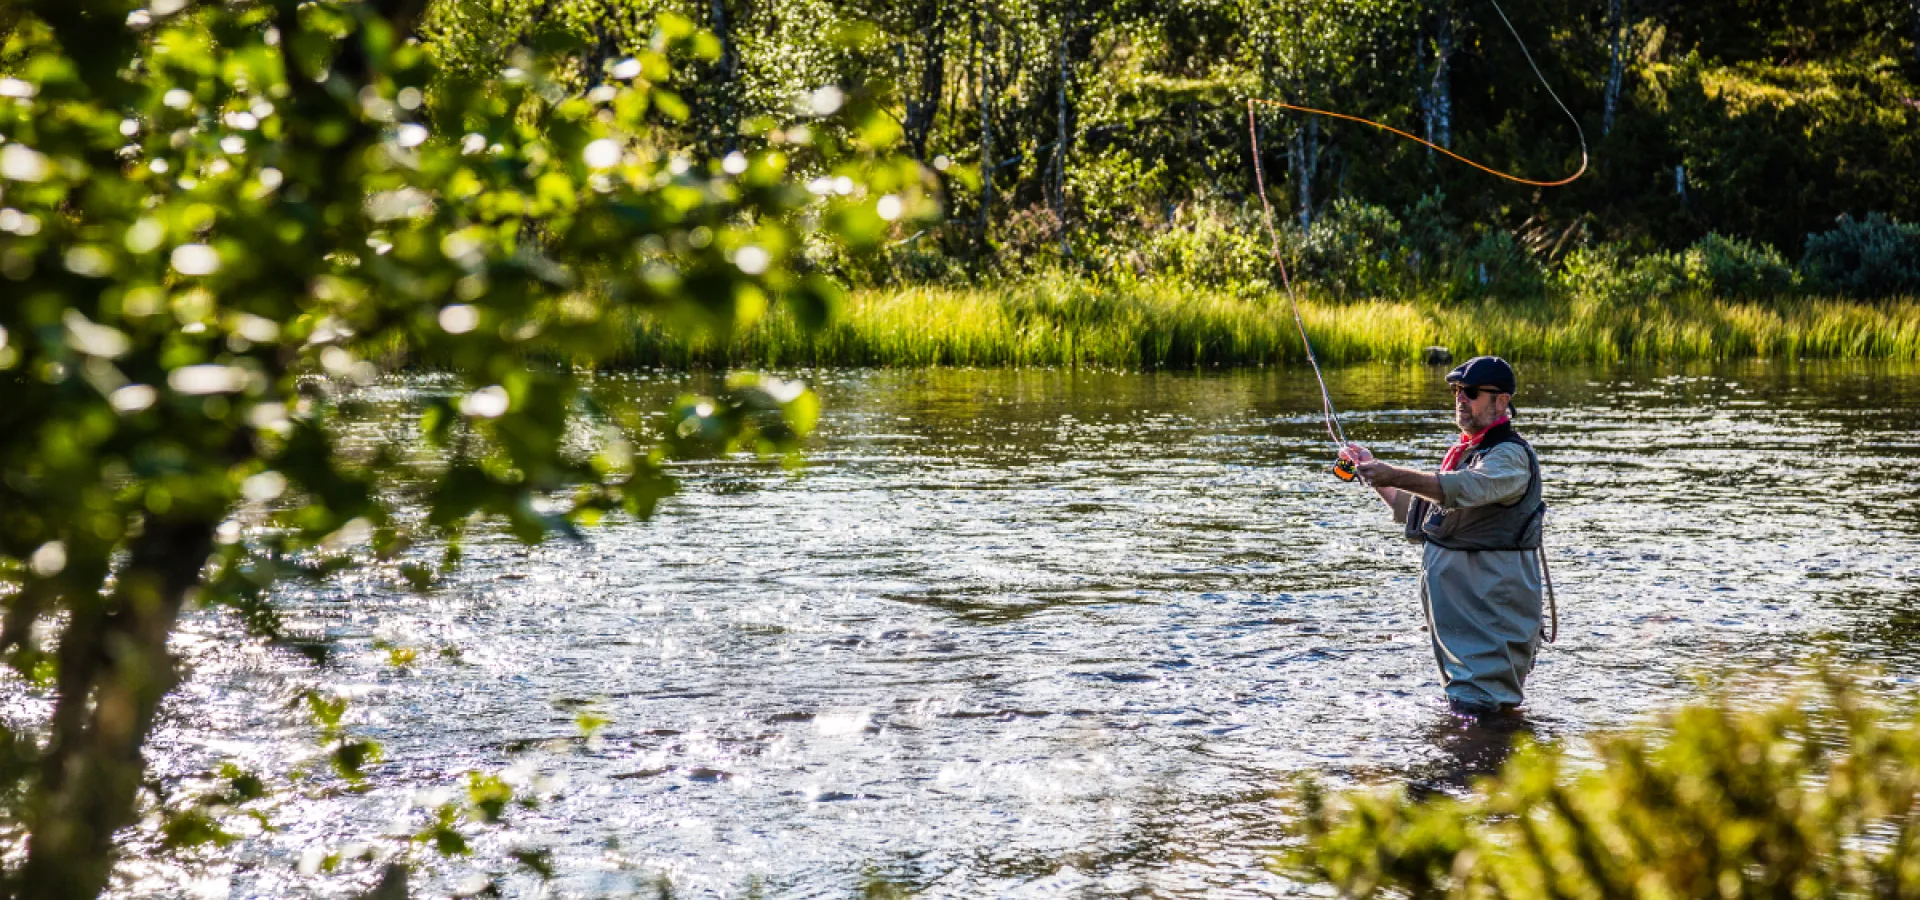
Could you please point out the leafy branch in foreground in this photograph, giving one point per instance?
(216, 222)
(1804, 799)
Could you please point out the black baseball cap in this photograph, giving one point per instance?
(1491, 371)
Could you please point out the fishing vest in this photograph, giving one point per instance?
(1495, 526)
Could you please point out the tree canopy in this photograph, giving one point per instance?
(1759, 119)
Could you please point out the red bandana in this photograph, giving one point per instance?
(1467, 442)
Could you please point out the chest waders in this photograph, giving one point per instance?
(1519, 525)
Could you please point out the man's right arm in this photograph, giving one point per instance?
(1384, 477)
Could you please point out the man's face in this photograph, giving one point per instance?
(1474, 413)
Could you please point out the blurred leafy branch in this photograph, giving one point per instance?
(223, 222)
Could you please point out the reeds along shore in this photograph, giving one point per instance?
(1171, 325)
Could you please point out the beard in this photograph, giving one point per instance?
(1471, 424)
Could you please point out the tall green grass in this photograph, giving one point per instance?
(1152, 324)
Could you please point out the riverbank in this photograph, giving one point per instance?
(1172, 325)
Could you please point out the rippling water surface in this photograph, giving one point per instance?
(1054, 634)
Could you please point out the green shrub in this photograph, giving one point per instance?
(1030, 241)
(1431, 238)
(1215, 245)
(1354, 249)
(1606, 275)
(1658, 276)
(1495, 265)
(1730, 804)
(917, 257)
(1730, 267)
(1111, 188)
(1869, 258)
(1590, 272)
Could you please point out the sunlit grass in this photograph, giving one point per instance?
(1070, 322)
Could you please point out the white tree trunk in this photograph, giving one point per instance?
(1304, 163)
(986, 127)
(1060, 149)
(1617, 65)
(1442, 88)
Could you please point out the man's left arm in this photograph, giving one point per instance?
(1500, 476)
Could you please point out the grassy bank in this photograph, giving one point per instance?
(1162, 324)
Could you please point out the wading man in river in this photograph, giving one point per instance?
(1479, 518)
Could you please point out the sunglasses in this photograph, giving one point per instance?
(1473, 393)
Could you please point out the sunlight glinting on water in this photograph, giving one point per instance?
(1045, 633)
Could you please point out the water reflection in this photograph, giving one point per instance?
(1035, 633)
(1468, 748)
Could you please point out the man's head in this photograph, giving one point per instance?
(1482, 392)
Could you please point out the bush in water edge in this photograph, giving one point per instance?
(1798, 800)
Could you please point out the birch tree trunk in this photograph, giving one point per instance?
(1059, 186)
(1423, 94)
(986, 129)
(1442, 87)
(1303, 163)
(1616, 67)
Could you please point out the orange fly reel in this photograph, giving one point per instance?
(1343, 469)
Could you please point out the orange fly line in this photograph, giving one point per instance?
(1331, 416)
(1252, 101)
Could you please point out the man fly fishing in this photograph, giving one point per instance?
(1479, 517)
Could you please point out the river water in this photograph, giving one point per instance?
(1033, 633)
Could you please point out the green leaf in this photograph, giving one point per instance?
(489, 795)
(351, 758)
(192, 828)
(537, 861)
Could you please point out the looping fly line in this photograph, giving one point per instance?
(1330, 415)
(1251, 101)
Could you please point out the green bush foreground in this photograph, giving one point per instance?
(1802, 800)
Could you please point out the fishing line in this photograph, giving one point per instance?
(1331, 416)
(1327, 412)
(1537, 74)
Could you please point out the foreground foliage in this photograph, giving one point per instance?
(1814, 797)
(214, 220)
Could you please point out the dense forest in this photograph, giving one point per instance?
(1099, 137)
